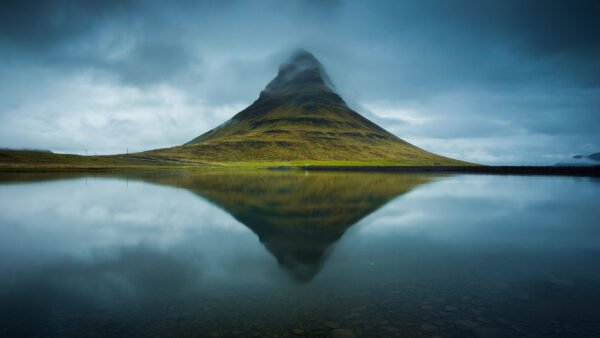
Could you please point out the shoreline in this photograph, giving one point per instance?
(26, 161)
(592, 171)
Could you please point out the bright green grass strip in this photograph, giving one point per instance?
(265, 164)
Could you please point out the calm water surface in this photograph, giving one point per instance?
(225, 254)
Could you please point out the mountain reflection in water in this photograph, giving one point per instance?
(297, 217)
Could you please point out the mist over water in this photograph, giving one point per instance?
(225, 254)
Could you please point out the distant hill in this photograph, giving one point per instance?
(581, 160)
(30, 149)
(595, 157)
(20, 160)
(299, 116)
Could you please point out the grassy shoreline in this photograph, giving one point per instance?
(591, 171)
(31, 161)
(17, 160)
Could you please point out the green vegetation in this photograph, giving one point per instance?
(39, 161)
(339, 136)
(299, 164)
(13, 160)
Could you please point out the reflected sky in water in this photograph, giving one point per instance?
(224, 253)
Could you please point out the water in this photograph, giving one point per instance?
(293, 254)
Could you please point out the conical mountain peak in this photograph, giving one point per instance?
(302, 72)
(298, 116)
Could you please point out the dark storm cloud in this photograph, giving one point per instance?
(113, 36)
(432, 71)
(440, 45)
(564, 32)
(41, 26)
(151, 61)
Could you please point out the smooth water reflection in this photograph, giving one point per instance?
(270, 253)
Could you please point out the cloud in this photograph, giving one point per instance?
(87, 111)
(471, 70)
(44, 26)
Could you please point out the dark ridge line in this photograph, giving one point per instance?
(593, 171)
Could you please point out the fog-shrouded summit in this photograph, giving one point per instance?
(301, 73)
(299, 116)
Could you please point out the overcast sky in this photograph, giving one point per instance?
(495, 82)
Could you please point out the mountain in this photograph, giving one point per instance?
(299, 116)
(582, 160)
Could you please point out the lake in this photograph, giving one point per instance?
(266, 253)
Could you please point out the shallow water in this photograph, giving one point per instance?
(294, 254)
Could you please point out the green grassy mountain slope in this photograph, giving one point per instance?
(298, 116)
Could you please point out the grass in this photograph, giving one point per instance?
(272, 164)
(39, 161)
(291, 134)
(12, 160)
